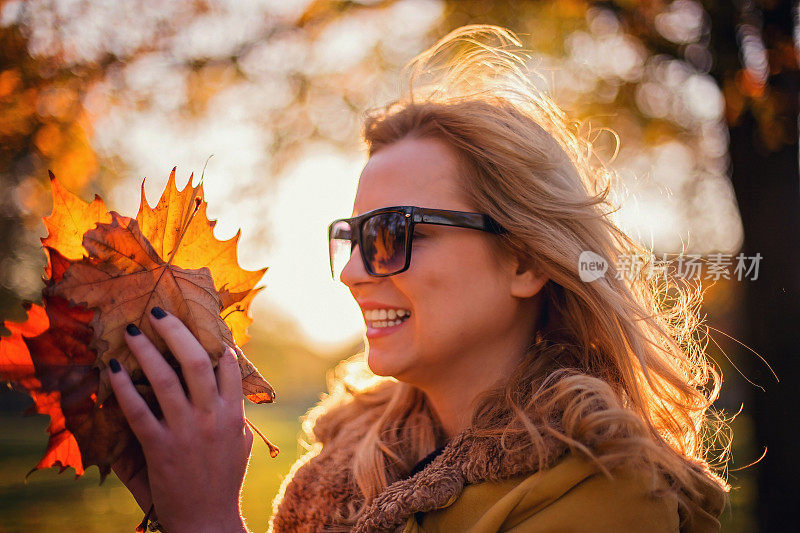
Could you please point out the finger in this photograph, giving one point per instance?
(229, 377)
(138, 414)
(161, 376)
(193, 358)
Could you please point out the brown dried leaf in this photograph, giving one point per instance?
(123, 278)
(180, 232)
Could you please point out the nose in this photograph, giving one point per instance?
(354, 271)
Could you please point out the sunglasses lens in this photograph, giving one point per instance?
(341, 246)
(384, 237)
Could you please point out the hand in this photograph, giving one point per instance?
(196, 457)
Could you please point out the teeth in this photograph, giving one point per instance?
(384, 323)
(386, 314)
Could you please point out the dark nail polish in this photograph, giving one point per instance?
(158, 312)
(114, 364)
(132, 330)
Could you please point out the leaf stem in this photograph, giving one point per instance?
(273, 450)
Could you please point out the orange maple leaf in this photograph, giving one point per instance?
(70, 219)
(17, 365)
(55, 356)
(180, 232)
(15, 360)
(48, 357)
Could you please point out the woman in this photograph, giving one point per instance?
(502, 393)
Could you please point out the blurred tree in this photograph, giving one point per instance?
(42, 125)
(67, 65)
(45, 80)
(749, 48)
(680, 81)
(756, 64)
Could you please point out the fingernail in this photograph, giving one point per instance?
(114, 364)
(132, 330)
(158, 313)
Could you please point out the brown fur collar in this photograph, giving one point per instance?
(466, 460)
(320, 487)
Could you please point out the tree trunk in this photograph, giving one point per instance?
(766, 180)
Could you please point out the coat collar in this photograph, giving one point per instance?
(320, 489)
(470, 458)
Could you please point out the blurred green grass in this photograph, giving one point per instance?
(49, 501)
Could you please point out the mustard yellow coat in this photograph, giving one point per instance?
(573, 495)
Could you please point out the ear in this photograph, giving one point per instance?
(527, 280)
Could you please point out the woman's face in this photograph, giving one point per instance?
(463, 301)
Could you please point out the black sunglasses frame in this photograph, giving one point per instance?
(415, 215)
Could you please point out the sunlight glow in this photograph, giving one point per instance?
(283, 226)
(320, 188)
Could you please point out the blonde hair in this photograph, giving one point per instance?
(618, 369)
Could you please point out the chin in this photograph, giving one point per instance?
(383, 363)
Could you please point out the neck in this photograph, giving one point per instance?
(453, 394)
(454, 418)
(452, 391)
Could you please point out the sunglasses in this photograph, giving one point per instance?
(385, 236)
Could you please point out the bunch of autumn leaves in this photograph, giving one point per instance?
(105, 271)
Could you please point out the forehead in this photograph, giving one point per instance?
(420, 172)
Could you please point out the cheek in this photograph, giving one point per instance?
(455, 297)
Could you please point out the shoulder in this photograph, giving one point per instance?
(572, 495)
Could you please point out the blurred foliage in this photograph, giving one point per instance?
(81, 82)
(304, 71)
(42, 125)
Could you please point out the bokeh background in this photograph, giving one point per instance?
(694, 103)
